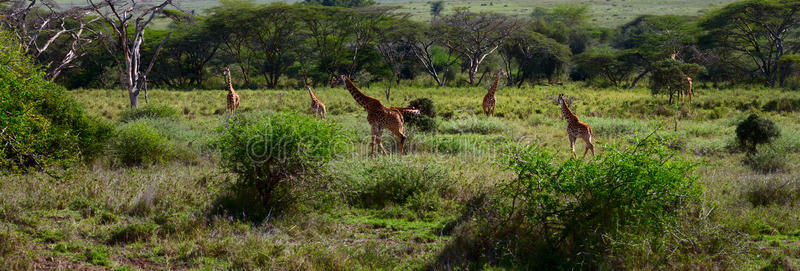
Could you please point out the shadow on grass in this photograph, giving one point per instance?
(247, 203)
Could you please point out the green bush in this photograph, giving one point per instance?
(558, 213)
(754, 131)
(264, 150)
(41, 126)
(426, 121)
(151, 111)
(422, 122)
(425, 106)
(138, 143)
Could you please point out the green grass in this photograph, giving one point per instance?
(166, 216)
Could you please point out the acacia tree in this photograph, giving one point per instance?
(232, 23)
(274, 33)
(423, 43)
(474, 35)
(391, 42)
(757, 30)
(328, 31)
(528, 55)
(54, 36)
(607, 64)
(119, 14)
(649, 38)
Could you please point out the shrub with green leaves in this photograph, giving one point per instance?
(754, 131)
(40, 126)
(152, 111)
(426, 121)
(559, 212)
(425, 106)
(264, 150)
(138, 143)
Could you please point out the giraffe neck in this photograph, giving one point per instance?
(567, 113)
(360, 97)
(230, 83)
(311, 93)
(493, 89)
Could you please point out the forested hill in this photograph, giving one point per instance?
(604, 12)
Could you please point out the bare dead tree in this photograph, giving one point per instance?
(474, 35)
(42, 24)
(120, 15)
(422, 45)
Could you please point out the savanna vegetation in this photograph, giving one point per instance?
(92, 177)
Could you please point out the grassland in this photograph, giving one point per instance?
(607, 13)
(183, 215)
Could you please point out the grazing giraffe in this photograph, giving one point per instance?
(490, 100)
(687, 88)
(317, 107)
(575, 128)
(233, 98)
(379, 116)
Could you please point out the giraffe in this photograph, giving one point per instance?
(317, 107)
(687, 82)
(233, 98)
(379, 116)
(490, 100)
(575, 128)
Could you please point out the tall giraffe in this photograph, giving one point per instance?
(379, 116)
(575, 128)
(317, 107)
(490, 100)
(233, 98)
(687, 82)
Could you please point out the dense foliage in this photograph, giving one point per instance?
(265, 150)
(560, 212)
(40, 125)
(139, 143)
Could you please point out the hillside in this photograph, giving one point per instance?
(605, 12)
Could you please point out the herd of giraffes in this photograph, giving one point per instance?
(381, 117)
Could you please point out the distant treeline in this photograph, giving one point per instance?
(281, 45)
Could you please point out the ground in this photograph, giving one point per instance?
(166, 216)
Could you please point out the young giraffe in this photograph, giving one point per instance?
(490, 100)
(687, 89)
(233, 98)
(379, 116)
(317, 107)
(575, 128)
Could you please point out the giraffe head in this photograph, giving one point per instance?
(501, 73)
(226, 71)
(561, 99)
(340, 80)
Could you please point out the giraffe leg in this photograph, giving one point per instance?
(589, 145)
(398, 131)
(376, 136)
(380, 146)
(572, 145)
